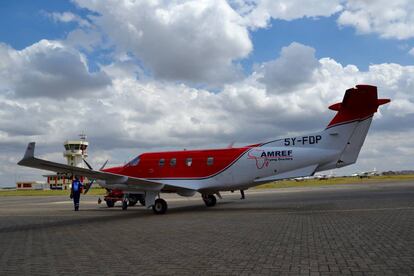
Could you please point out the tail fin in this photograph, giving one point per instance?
(350, 125)
(346, 132)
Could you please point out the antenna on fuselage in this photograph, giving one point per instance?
(231, 145)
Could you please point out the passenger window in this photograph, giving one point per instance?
(173, 162)
(210, 161)
(161, 163)
(188, 162)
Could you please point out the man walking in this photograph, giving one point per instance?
(76, 191)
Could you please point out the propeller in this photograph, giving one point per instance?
(93, 180)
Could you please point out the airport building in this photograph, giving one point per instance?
(75, 152)
(32, 185)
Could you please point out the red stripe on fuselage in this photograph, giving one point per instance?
(149, 164)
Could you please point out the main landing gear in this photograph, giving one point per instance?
(209, 200)
(160, 206)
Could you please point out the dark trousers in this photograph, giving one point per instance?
(76, 197)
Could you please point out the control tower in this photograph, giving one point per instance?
(76, 151)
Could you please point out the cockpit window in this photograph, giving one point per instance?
(134, 162)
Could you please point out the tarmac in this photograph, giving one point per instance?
(353, 229)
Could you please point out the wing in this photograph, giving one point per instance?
(125, 182)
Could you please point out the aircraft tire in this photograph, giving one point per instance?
(160, 206)
(110, 203)
(210, 200)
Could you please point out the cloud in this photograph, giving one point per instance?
(411, 52)
(195, 41)
(257, 13)
(293, 68)
(48, 69)
(393, 19)
(67, 17)
(144, 115)
(86, 39)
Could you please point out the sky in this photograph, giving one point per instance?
(140, 76)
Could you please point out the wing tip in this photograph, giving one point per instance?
(29, 153)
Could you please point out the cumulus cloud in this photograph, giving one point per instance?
(48, 69)
(67, 17)
(394, 21)
(257, 13)
(86, 39)
(141, 115)
(294, 68)
(389, 19)
(196, 41)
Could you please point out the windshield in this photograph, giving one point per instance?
(134, 162)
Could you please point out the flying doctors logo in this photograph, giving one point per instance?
(263, 158)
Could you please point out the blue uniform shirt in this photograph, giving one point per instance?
(76, 185)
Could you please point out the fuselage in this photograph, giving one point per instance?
(221, 169)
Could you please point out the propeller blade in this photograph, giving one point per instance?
(87, 188)
(93, 180)
(104, 164)
(87, 164)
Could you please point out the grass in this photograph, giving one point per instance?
(336, 181)
(273, 185)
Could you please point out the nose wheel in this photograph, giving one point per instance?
(209, 200)
(160, 206)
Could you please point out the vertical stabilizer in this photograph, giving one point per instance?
(352, 121)
(346, 132)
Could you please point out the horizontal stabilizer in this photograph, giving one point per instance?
(358, 104)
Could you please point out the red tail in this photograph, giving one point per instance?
(359, 103)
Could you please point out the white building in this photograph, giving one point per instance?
(32, 185)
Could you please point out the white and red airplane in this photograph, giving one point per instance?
(213, 170)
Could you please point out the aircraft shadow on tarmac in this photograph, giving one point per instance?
(134, 213)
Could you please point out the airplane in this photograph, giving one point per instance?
(316, 176)
(210, 171)
(366, 174)
(325, 176)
